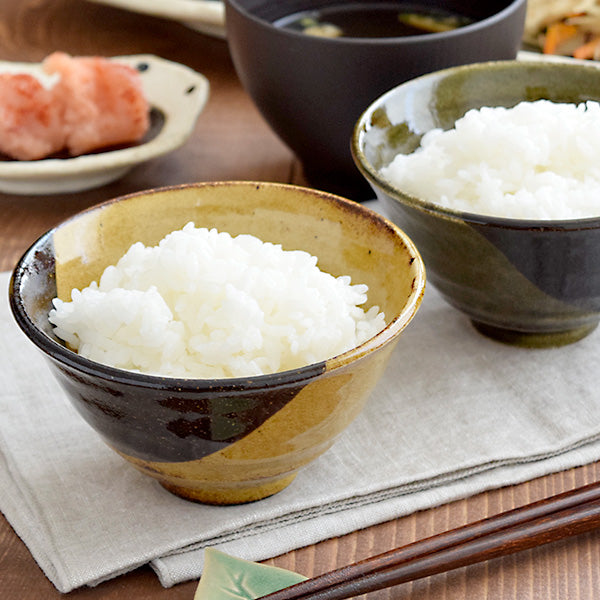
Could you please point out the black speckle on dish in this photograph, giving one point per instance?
(141, 67)
(190, 89)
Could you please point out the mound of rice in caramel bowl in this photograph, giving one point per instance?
(233, 331)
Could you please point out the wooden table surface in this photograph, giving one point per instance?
(231, 141)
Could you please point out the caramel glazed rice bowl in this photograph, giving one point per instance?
(229, 440)
(529, 282)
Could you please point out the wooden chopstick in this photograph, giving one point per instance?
(548, 520)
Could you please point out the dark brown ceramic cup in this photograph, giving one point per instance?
(311, 90)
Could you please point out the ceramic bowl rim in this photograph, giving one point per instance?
(501, 15)
(403, 198)
(62, 355)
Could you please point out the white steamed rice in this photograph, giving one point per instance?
(537, 160)
(204, 304)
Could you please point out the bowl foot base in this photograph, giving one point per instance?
(534, 339)
(232, 494)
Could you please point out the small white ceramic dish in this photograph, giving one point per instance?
(206, 16)
(177, 95)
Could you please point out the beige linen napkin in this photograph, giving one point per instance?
(455, 414)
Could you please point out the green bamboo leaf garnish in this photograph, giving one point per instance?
(226, 577)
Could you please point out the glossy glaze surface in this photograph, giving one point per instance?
(527, 282)
(229, 440)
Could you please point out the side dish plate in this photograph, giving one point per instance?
(206, 16)
(177, 96)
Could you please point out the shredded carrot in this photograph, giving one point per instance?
(588, 50)
(557, 34)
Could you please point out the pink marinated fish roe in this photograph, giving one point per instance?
(95, 103)
(105, 103)
(31, 121)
